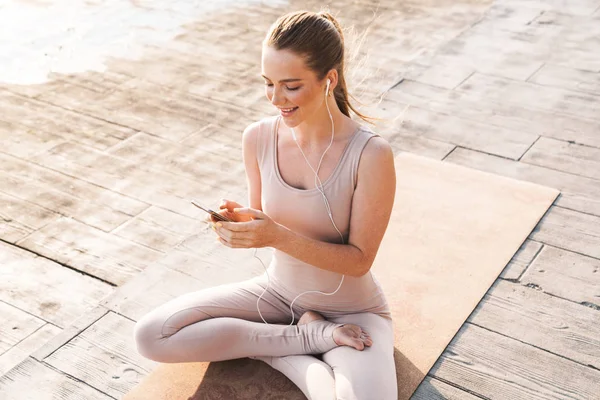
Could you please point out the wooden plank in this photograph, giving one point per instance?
(19, 218)
(151, 288)
(39, 175)
(447, 128)
(567, 78)
(434, 389)
(15, 325)
(565, 274)
(86, 319)
(100, 254)
(498, 367)
(94, 214)
(521, 260)
(34, 380)
(446, 75)
(563, 156)
(577, 46)
(72, 126)
(104, 356)
(577, 192)
(160, 229)
(546, 322)
(204, 159)
(45, 289)
(19, 353)
(561, 101)
(495, 111)
(143, 182)
(24, 142)
(155, 109)
(570, 230)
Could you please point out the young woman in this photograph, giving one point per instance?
(321, 189)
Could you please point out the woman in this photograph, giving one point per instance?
(321, 189)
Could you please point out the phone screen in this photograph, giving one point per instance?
(211, 212)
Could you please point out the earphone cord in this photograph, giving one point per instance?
(322, 191)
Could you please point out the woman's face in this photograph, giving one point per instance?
(291, 86)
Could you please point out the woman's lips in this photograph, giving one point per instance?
(287, 112)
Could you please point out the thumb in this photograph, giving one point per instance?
(255, 214)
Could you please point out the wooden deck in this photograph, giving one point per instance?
(96, 169)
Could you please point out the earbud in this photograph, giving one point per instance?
(327, 90)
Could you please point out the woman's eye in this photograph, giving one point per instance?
(268, 84)
(292, 89)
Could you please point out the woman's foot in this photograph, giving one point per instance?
(345, 335)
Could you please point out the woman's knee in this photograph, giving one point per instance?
(147, 338)
(366, 386)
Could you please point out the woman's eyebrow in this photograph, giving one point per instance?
(285, 80)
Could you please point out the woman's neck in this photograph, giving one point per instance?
(317, 130)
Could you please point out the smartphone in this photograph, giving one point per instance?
(217, 216)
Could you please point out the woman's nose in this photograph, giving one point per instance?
(276, 97)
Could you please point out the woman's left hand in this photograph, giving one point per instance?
(261, 231)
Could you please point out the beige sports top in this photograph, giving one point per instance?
(304, 211)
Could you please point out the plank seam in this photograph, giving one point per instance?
(79, 330)
(457, 386)
(55, 171)
(58, 262)
(530, 263)
(536, 347)
(72, 377)
(450, 152)
(33, 315)
(529, 148)
(537, 70)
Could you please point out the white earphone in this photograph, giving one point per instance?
(321, 190)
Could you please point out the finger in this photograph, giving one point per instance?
(251, 212)
(235, 226)
(236, 244)
(232, 235)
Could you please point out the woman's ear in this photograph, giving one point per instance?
(333, 78)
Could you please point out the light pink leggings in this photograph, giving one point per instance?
(222, 323)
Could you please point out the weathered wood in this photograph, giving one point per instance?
(546, 322)
(15, 326)
(151, 288)
(446, 76)
(521, 260)
(94, 214)
(525, 94)
(567, 78)
(577, 192)
(19, 218)
(73, 126)
(90, 250)
(143, 182)
(570, 230)
(68, 184)
(104, 356)
(434, 389)
(86, 319)
(34, 380)
(24, 142)
(160, 229)
(567, 157)
(207, 159)
(498, 367)
(565, 274)
(45, 289)
(18, 353)
(416, 121)
(494, 111)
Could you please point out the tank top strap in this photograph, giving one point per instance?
(354, 152)
(264, 141)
